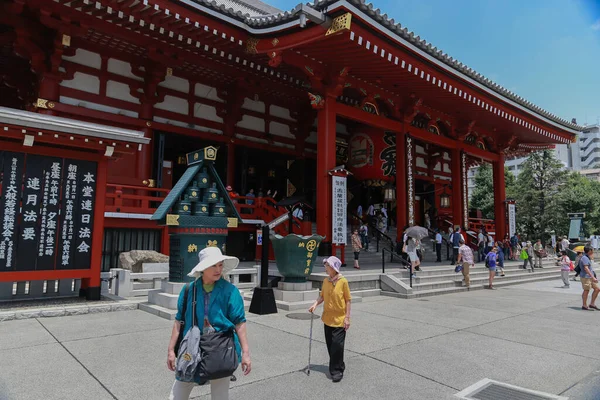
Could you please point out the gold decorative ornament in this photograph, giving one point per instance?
(211, 243)
(192, 248)
(311, 245)
(186, 208)
(214, 196)
(51, 104)
(275, 42)
(66, 40)
(169, 71)
(340, 24)
(221, 209)
(251, 44)
(210, 153)
(203, 209)
(204, 180)
(196, 155)
(232, 222)
(148, 123)
(194, 194)
(172, 219)
(41, 103)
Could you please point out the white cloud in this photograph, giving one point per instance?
(596, 25)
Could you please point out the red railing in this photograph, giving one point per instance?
(475, 224)
(133, 199)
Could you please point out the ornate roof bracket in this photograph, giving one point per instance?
(463, 130)
(410, 112)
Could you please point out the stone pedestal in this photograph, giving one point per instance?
(163, 301)
(290, 296)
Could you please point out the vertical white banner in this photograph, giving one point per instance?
(339, 207)
(512, 220)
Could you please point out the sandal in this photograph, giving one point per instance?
(594, 307)
(585, 308)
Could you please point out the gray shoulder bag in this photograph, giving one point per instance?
(188, 356)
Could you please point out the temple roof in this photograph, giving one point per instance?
(258, 22)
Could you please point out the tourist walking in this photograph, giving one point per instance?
(364, 235)
(506, 247)
(490, 263)
(565, 268)
(412, 245)
(588, 279)
(525, 255)
(335, 293)
(500, 256)
(465, 256)
(456, 237)
(489, 243)
(480, 246)
(564, 243)
(356, 247)
(594, 241)
(359, 212)
(514, 244)
(225, 314)
(538, 248)
(438, 245)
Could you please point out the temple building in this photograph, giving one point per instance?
(116, 92)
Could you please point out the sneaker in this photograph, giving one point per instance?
(414, 276)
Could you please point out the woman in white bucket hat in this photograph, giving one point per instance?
(225, 312)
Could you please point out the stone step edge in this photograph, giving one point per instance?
(456, 289)
(478, 276)
(65, 311)
(507, 278)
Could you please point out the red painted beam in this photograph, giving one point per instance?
(45, 275)
(280, 43)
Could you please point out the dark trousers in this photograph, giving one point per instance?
(480, 253)
(454, 255)
(335, 338)
(438, 251)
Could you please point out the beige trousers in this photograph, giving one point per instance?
(465, 272)
(219, 389)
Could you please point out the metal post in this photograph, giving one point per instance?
(263, 299)
(383, 261)
(378, 235)
(411, 273)
(291, 223)
(264, 262)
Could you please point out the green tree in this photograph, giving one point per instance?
(576, 194)
(483, 194)
(536, 185)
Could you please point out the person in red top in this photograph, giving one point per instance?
(233, 195)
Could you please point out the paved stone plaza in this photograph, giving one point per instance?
(532, 335)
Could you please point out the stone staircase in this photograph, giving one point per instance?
(437, 280)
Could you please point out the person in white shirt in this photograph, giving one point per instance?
(480, 246)
(594, 242)
(359, 211)
(564, 244)
(438, 245)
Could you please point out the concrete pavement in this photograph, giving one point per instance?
(527, 335)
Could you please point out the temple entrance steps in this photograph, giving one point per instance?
(436, 280)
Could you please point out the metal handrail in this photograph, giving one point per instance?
(402, 261)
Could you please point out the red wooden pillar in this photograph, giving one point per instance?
(401, 178)
(457, 188)
(326, 134)
(499, 198)
(231, 165)
(91, 285)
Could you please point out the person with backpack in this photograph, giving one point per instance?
(465, 256)
(538, 249)
(364, 235)
(500, 254)
(490, 263)
(565, 268)
(456, 237)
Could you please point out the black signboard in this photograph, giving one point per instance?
(47, 243)
(29, 229)
(12, 176)
(85, 219)
(46, 212)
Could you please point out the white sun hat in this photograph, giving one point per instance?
(211, 256)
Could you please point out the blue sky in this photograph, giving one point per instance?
(547, 51)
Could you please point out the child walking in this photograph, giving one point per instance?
(335, 293)
(565, 268)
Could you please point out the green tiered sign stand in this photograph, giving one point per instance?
(198, 211)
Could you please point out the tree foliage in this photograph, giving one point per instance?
(483, 194)
(536, 185)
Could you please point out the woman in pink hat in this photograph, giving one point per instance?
(335, 293)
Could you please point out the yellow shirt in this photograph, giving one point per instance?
(334, 302)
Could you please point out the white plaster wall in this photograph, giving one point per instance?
(254, 123)
(207, 92)
(278, 129)
(420, 150)
(84, 82)
(176, 83)
(447, 156)
(121, 68)
(258, 106)
(438, 167)
(118, 90)
(447, 168)
(86, 58)
(206, 112)
(97, 107)
(174, 104)
(420, 162)
(280, 112)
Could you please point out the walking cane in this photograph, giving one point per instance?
(310, 343)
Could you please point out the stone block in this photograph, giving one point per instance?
(7, 316)
(172, 287)
(53, 312)
(6, 290)
(296, 286)
(77, 310)
(165, 300)
(26, 314)
(133, 260)
(100, 308)
(295, 296)
(155, 267)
